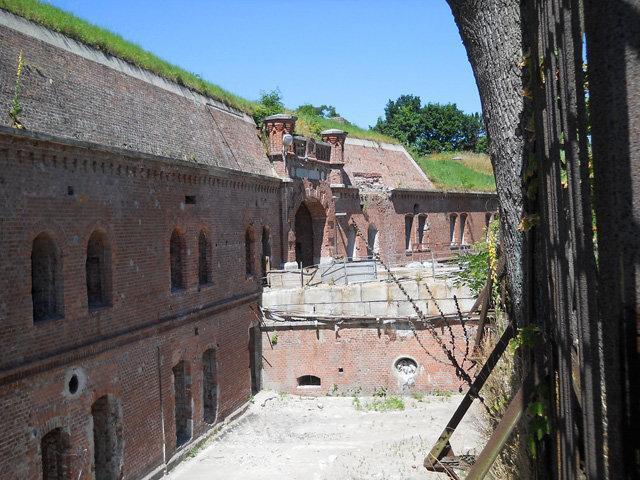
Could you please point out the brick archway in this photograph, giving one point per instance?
(309, 223)
(304, 236)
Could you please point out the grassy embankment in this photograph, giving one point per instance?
(473, 172)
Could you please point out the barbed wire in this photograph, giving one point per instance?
(460, 372)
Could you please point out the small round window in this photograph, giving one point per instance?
(406, 367)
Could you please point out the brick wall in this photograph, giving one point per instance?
(358, 359)
(75, 92)
(387, 213)
(69, 190)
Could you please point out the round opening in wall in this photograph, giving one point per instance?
(73, 384)
(406, 367)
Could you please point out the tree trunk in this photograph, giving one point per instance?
(492, 33)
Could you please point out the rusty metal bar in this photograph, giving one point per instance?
(437, 452)
(513, 414)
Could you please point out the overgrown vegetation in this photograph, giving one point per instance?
(432, 127)
(311, 125)
(16, 107)
(469, 172)
(514, 461)
(473, 267)
(381, 402)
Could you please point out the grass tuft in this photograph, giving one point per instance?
(379, 404)
(472, 173)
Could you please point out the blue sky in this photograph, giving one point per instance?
(353, 54)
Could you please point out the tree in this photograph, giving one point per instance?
(492, 34)
(270, 103)
(430, 128)
(326, 111)
(403, 119)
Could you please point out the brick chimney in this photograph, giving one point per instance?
(336, 139)
(276, 126)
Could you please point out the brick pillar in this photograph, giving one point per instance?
(336, 139)
(276, 126)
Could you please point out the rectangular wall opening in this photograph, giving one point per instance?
(107, 439)
(209, 386)
(182, 394)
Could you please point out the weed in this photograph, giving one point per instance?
(419, 396)
(16, 108)
(274, 339)
(441, 393)
(195, 450)
(333, 390)
(385, 404)
(357, 404)
(380, 392)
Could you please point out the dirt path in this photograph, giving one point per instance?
(287, 437)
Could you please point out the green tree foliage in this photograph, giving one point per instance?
(325, 111)
(474, 267)
(433, 127)
(270, 103)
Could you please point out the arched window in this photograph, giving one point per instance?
(249, 252)
(182, 397)
(107, 438)
(46, 282)
(408, 224)
(351, 243)
(266, 252)
(463, 224)
(176, 253)
(204, 259)
(209, 386)
(54, 448)
(373, 240)
(452, 229)
(423, 228)
(98, 271)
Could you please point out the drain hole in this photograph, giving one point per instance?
(73, 384)
(309, 381)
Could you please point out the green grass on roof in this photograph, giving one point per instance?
(471, 173)
(311, 125)
(68, 24)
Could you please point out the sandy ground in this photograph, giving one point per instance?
(291, 437)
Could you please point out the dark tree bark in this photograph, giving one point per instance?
(492, 34)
